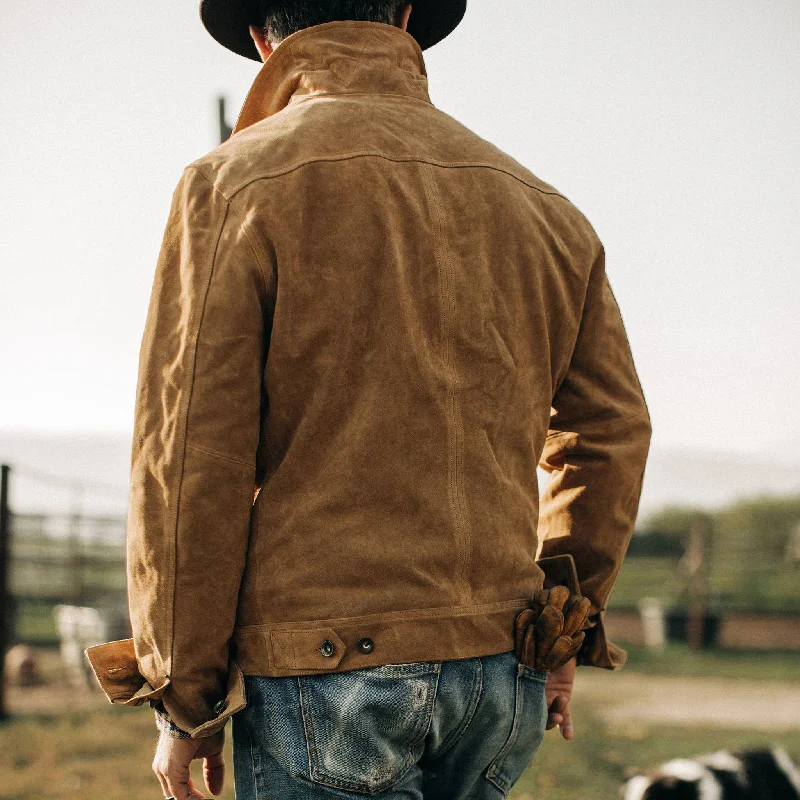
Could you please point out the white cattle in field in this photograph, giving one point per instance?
(79, 627)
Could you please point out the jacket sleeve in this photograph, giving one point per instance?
(196, 430)
(595, 450)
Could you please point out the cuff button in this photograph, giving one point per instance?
(327, 648)
(366, 645)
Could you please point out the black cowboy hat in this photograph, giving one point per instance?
(228, 21)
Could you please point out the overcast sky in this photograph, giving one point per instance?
(672, 126)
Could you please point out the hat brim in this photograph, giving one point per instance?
(229, 21)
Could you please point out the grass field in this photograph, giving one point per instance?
(103, 752)
(677, 659)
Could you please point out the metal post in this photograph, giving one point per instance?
(225, 130)
(5, 597)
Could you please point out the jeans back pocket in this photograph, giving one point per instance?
(527, 729)
(363, 726)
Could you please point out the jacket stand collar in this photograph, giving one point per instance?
(340, 57)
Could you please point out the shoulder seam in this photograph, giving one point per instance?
(367, 153)
(194, 166)
(257, 251)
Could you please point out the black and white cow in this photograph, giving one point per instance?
(753, 774)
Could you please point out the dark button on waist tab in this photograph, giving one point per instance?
(327, 647)
(365, 645)
(219, 707)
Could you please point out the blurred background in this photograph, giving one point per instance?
(673, 127)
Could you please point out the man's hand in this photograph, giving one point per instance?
(173, 757)
(558, 691)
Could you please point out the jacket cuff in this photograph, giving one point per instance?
(117, 670)
(597, 650)
(164, 723)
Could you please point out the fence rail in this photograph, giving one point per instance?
(78, 559)
(70, 559)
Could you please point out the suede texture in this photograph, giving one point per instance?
(368, 327)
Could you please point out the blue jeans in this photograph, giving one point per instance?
(438, 730)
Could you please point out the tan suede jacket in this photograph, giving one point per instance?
(367, 327)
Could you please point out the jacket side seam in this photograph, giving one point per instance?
(400, 159)
(184, 430)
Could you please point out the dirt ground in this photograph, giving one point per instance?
(629, 697)
(50, 697)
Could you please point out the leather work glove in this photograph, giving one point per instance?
(550, 631)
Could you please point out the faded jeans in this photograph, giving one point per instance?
(438, 730)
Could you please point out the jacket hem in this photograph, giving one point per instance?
(439, 634)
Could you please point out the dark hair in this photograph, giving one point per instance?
(281, 18)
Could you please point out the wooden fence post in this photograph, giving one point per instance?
(5, 594)
(699, 567)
